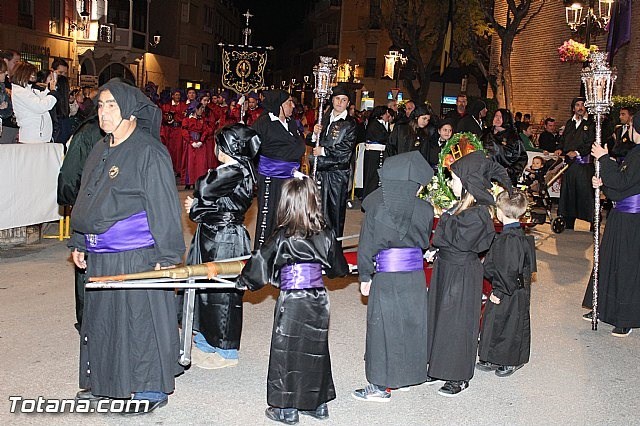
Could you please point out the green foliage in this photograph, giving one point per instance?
(623, 101)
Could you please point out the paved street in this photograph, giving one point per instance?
(576, 376)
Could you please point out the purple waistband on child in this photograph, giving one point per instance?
(277, 168)
(405, 259)
(628, 205)
(300, 276)
(583, 159)
(127, 234)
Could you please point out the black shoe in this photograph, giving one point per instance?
(86, 395)
(453, 388)
(143, 407)
(486, 366)
(507, 370)
(588, 316)
(621, 332)
(320, 413)
(287, 416)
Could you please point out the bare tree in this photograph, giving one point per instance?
(418, 28)
(516, 21)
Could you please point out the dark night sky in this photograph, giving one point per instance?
(273, 19)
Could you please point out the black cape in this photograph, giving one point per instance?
(221, 199)
(576, 193)
(508, 150)
(279, 144)
(455, 294)
(334, 168)
(396, 347)
(129, 338)
(619, 278)
(299, 362)
(506, 328)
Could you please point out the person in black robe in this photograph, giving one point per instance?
(377, 134)
(82, 142)
(473, 122)
(438, 141)
(505, 340)
(455, 295)
(504, 145)
(619, 271)
(576, 194)
(221, 199)
(396, 225)
(127, 216)
(412, 135)
(337, 136)
(281, 149)
(620, 143)
(292, 259)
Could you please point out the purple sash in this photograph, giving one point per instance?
(127, 234)
(582, 159)
(300, 276)
(399, 260)
(628, 205)
(277, 168)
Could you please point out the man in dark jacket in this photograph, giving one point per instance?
(473, 121)
(337, 138)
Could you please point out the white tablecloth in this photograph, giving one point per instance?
(28, 183)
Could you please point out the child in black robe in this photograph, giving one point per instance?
(299, 378)
(395, 231)
(505, 340)
(455, 295)
(222, 197)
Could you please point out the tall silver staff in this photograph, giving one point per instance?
(598, 81)
(325, 75)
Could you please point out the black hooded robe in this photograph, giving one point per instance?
(129, 338)
(455, 293)
(299, 362)
(279, 144)
(396, 347)
(619, 273)
(506, 328)
(221, 199)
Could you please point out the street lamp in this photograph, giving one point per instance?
(591, 21)
(156, 39)
(394, 57)
(598, 81)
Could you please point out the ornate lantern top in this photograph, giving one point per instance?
(598, 80)
(325, 76)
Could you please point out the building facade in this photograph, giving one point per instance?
(544, 86)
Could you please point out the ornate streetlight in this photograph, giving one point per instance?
(325, 77)
(395, 55)
(592, 20)
(598, 81)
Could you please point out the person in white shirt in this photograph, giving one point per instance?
(31, 106)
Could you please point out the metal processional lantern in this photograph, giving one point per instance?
(325, 77)
(598, 81)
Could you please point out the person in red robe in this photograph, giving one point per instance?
(254, 110)
(195, 133)
(212, 160)
(171, 130)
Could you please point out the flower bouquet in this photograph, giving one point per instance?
(438, 192)
(573, 51)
